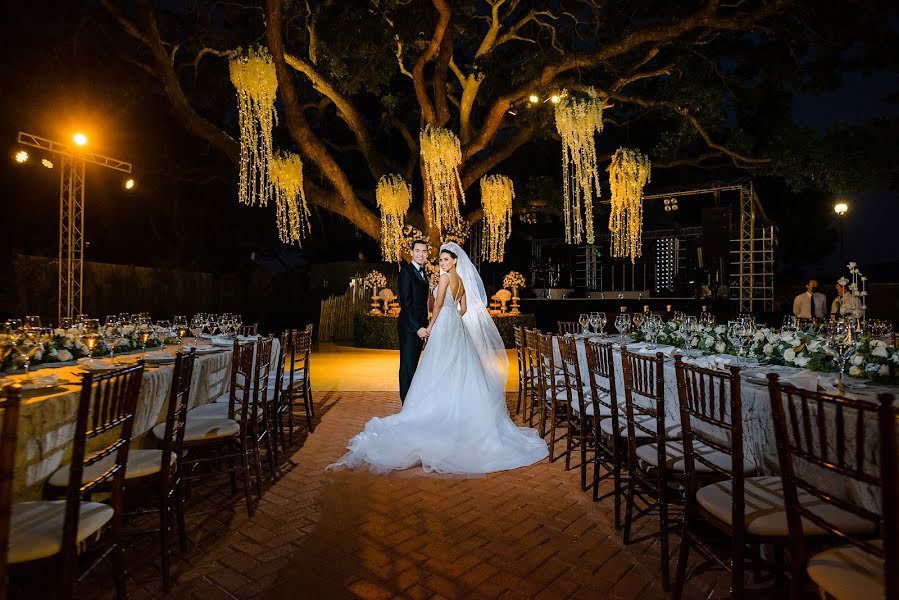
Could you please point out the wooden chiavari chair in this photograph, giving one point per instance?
(552, 394)
(282, 410)
(260, 428)
(712, 431)
(524, 381)
(250, 330)
(579, 408)
(533, 374)
(298, 386)
(648, 478)
(611, 435)
(216, 440)
(9, 404)
(568, 327)
(50, 535)
(821, 439)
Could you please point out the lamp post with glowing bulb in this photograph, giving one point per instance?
(841, 208)
(71, 209)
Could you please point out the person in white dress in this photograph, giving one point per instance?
(845, 304)
(454, 419)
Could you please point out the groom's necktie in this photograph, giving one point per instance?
(420, 274)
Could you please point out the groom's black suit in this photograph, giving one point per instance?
(413, 316)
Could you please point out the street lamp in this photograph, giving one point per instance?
(841, 208)
(80, 139)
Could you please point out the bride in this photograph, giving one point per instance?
(455, 418)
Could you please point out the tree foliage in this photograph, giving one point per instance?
(693, 84)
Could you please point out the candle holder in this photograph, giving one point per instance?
(515, 300)
(375, 303)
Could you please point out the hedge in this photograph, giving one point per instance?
(380, 332)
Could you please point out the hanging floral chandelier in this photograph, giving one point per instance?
(576, 121)
(497, 193)
(253, 76)
(394, 196)
(292, 214)
(441, 156)
(628, 175)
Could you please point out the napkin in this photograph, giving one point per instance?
(222, 342)
(97, 364)
(805, 380)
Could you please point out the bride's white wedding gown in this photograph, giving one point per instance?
(454, 419)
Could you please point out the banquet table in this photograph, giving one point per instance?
(759, 444)
(47, 417)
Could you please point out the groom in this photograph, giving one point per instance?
(413, 320)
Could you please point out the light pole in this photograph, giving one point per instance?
(71, 210)
(841, 208)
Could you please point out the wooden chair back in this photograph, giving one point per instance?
(546, 366)
(601, 376)
(819, 434)
(107, 403)
(574, 383)
(568, 327)
(240, 393)
(522, 353)
(644, 398)
(9, 404)
(176, 415)
(248, 330)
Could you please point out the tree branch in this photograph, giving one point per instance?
(477, 170)
(347, 111)
(302, 133)
(418, 76)
(706, 18)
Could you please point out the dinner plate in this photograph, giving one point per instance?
(207, 350)
(160, 358)
(34, 383)
(97, 365)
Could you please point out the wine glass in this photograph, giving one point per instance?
(145, 329)
(707, 319)
(622, 322)
(237, 323)
(594, 321)
(602, 320)
(584, 320)
(29, 341)
(14, 325)
(841, 344)
(181, 328)
(687, 330)
(90, 334)
(164, 328)
(651, 326)
(212, 323)
(790, 324)
(197, 324)
(637, 319)
(111, 333)
(124, 319)
(735, 334)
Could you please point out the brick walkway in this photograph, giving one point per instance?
(317, 534)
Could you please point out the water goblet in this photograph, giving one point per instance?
(637, 319)
(842, 336)
(584, 320)
(238, 323)
(622, 323)
(601, 318)
(688, 328)
(110, 333)
(651, 327)
(594, 321)
(212, 323)
(181, 328)
(90, 334)
(790, 324)
(707, 319)
(145, 329)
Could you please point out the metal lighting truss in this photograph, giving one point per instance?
(71, 215)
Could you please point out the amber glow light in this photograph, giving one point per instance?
(21, 156)
(80, 139)
(129, 185)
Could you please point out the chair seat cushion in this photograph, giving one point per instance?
(674, 459)
(141, 462)
(604, 411)
(848, 572)
(216, 410)
(36, 527)
(765, 513)
(196, 430)
(673, 430)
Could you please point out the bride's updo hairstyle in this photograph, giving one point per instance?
(450, 252)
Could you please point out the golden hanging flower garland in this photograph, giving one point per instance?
(576, 121)
(441, 156)
(254, 78)
(497, 193)
(394, 196)
(292, 214)
(628, 175)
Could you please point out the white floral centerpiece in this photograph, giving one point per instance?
(807, 349)
(375, 280)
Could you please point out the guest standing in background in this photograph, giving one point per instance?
(810, 304)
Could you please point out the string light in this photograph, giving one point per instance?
(292, 214)
(394, 196)
(441, 156)
(497, 193)
(21, 156)
(254, 78)
(628, 175)
(576, 121)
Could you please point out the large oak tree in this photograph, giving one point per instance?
(700, 83)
